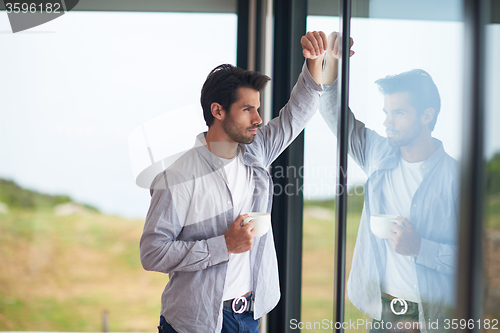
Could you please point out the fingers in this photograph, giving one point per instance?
(239, 238)
(324, 41)
(336, 44)
(396, 228)
(316, 39)
(333, 44)
(246, 235)
(247, 230)
(406, 227)
(248, 227)
(306, 47)
(239, 220)
(403, 219)
(250, 230)
(406, 223)
(314, 44)
(332, 38)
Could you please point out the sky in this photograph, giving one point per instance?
(76, 88)
(78, 91)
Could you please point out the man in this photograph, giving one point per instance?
(410, 176)
(221, 277)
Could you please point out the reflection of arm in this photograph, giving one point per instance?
(328, 107)
(330, 71)
(293, 117)
(442, 256)
(160, 251)
(438, 256)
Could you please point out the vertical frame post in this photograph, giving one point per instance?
(342, 144)
(472, 189)
(289, 26)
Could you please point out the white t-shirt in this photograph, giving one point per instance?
(241, 184)
(401, 183)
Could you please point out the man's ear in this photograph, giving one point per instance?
(217, 111)
(428, 115)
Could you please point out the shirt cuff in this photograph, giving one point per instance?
(217, 250)
(331, 87)
(308, 79)
(428, 253)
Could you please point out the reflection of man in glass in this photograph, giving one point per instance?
(410, 176)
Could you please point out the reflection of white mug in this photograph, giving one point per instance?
(381, 224)
(261, 222)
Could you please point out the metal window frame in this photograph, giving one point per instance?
(289, 26)
(342, 150)
(469, 288)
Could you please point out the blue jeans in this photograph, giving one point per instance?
(166, 326)
(231, 323)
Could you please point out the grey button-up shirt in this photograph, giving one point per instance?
(191, 209)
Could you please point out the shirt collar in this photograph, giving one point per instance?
(391, 160)
(435, 158)
(201, 147)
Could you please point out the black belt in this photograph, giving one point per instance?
(240, 304)
(399, 306)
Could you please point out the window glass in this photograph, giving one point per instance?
(491, 308)
(409, 157)
(320, 158)
(405, 150)
(71, 214)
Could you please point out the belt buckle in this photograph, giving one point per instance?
(402, 303)
(238, 300)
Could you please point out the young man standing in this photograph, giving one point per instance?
(221, 277)
(409, 277)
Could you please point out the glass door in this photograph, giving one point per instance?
(405, 143)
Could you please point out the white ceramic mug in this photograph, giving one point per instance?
(381, 224)
(261, 221)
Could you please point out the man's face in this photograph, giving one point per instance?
(402, 121)
(242, 121)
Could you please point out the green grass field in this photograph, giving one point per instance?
(59, 273)
(318, 266)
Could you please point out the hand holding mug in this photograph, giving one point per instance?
(239, 237)
(404, 239)
(261, 222)
(381, 224)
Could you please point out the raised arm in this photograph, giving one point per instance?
(273, 138)
(329, 103)
(314, 45)
(330, 72)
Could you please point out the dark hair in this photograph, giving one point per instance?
(221, 86)
(423, 91)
